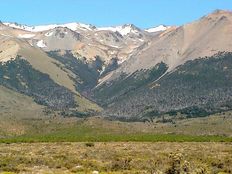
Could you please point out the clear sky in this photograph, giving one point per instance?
(143, 13)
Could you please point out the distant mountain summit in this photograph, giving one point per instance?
(126, 28)
(72, 26)
(158, 28)
(85, 39)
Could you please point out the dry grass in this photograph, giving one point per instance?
(115, 158)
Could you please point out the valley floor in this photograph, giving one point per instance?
(115, 158)
(215, 128)
(71, 145)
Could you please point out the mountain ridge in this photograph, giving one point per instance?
(73, 26)
(103, 65)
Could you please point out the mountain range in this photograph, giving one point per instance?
(122, 72)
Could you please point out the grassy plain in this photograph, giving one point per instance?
(116, 157)
(216, 128)
(52, 144)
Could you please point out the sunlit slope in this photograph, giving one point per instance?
(43, 64)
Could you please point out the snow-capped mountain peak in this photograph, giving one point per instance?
(156, 29)
(73, 26)
(122, 29)
(76, 26)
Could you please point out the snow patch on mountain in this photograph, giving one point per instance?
(18, 26)
(156, 29)
(123, 30)
(72, 26)
(41, 44)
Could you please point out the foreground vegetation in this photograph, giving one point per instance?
(115, 158)
(53, 144)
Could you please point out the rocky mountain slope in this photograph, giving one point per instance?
(86, 40)
(176, 45)
(128, 71)
(170, 74)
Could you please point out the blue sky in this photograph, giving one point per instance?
(143, 13)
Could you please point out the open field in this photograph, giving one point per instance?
(127, 158)
(216, 128)
(59, 145)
